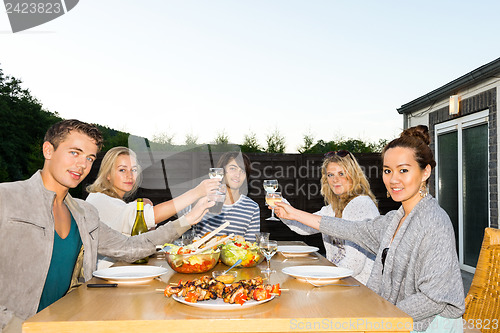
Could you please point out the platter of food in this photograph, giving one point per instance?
(317, 274)
(297, 250)
(130, 274)
(219, 304)
(208, 293)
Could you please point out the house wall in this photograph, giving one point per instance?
(474, 99)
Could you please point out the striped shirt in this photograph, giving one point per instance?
(244, 216)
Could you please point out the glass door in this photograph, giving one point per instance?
(462, 186)
(475, 190)
(447, 184)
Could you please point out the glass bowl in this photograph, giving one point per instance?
(249, 257)
(226, 278)
(187, 263)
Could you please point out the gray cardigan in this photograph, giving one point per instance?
(421, 275)
(27, 238)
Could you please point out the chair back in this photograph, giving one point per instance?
(482, 304)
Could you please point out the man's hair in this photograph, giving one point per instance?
(241, 159)
(57, 133)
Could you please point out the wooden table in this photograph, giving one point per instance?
(304, 308)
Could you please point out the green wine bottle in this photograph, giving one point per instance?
(140, 226)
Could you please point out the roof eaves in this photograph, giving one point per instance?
(451, 88)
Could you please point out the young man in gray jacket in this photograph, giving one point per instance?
(49, 238)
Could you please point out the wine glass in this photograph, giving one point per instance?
(219, 196)
(216, 173)
(270, 185)
(271, 198)
(268, 248)
(261, 237)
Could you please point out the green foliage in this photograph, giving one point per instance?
(275, 142)
(308, 143)
(379, 146)
(23, 124)
(191, 140)
(113, 138)
(164, 139)
(352, 145)
(250, 144)
(221, 138)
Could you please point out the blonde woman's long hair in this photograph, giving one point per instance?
(102, 184)
(360, 185)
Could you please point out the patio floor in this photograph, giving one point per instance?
(467, 279)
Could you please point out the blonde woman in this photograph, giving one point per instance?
(118, 178)
(347, 195)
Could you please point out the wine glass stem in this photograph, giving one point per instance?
(272, 212)
(268, 264)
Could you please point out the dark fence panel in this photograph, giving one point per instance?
(171, 174)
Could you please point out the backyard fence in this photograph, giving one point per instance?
(169, 174)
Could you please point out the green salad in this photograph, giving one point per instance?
(240, 249)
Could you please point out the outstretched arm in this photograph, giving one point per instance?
(199, 210)
(169, 208)
(129, 249)
(300, 228)
(285, 211)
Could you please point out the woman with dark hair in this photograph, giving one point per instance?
(347, 195)
(242, 212)
(416, 267)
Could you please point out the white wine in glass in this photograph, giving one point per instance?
(271, 198)
(270, 185)
(268, 248)
(216, 173)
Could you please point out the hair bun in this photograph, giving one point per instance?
(420, 131)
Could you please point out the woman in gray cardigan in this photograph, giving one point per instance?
(416, 266)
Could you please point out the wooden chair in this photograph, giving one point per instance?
(482, 304)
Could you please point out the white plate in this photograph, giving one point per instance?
(219, 304)
(297, 250)
(317, 274)
(130, 274)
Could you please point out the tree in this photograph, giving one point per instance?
(379, 146)
(352, 145)
(23, 124)
(250, 144)
(113, 138)
(222, 138)
(164, 138)
(275, 142)
(308, 143)
(191, 140)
